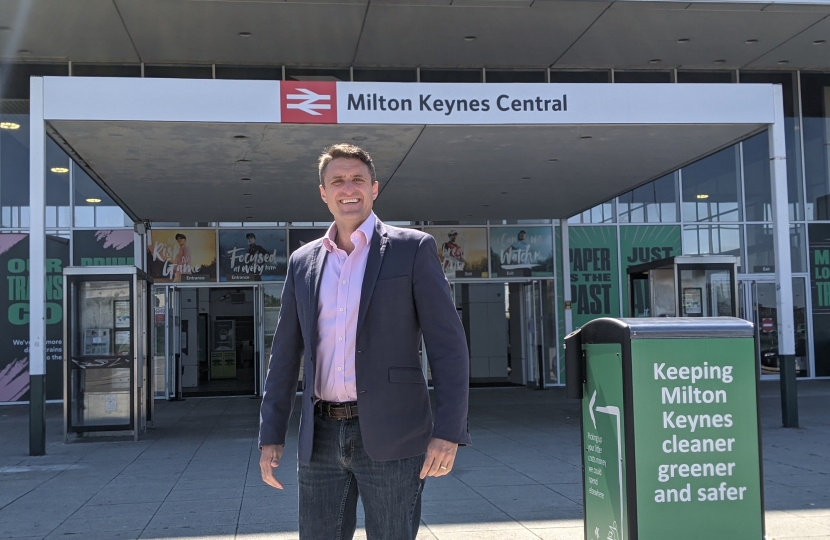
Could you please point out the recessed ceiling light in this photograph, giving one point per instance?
(9, 125)
(93, 200)
(551, 160)
(243, 160)
(703, 196)
(720, 61)
(819, 42)
(654, 61)
(525, 178)
(249, 217)
(59, 170)
(246, 194)
(248, 207)
(683, 40)
(245, 34)
(503, 193)
(585, 137)
(751, 41)
(4, 28)
(485, 205)
(358, 138)
(783, 61)
(245, 179)
(24, 51)
(469, 38)
(240, 137)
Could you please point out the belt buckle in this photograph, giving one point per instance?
(348, 407)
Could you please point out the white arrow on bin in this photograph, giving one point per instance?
(309, 104)
(613, 411)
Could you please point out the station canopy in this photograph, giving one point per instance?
(188, 150)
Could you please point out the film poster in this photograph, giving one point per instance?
(462, 250)
(182, 255)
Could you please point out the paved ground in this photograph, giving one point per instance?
(195, 474)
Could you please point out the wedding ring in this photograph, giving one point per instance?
(442, 466)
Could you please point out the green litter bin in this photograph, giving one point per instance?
(671, 441)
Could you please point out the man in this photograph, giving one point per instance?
(183, 266)
(255, 249)
(452, 253)
(354, 305)
(514, 254)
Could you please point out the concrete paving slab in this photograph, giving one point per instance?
(195, 474)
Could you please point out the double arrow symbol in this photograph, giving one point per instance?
(309, 103)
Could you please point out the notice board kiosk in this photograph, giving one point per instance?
(670, 428)
(107, 380)
(687, 286)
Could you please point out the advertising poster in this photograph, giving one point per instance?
(252, 255)
(182, 255)
(594, 274)
(521, 251)
(14, 316)
(820, 287)
(103, 248)
(297, 238)
(463, 251)
(640, 244)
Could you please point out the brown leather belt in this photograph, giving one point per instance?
(337, 411)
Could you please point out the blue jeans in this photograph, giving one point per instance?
(340, 471)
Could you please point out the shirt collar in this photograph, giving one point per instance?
(367, 229)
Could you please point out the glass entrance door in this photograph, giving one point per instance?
(758, 305)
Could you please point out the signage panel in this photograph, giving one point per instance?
(521, 251)
(462, 250)
(603, 446)
(820, 289)
(106, 247)
(696, 433)
(182, 255)
(594, 276)
(252, 255)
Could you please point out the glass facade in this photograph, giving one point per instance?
(718, 205)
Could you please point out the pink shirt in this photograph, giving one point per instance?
(337, 310)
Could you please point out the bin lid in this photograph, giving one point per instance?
(671, 328)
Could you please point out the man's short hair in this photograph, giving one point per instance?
(180, 236)
(250, 235)
(345, 150)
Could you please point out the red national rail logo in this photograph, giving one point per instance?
(308, 102)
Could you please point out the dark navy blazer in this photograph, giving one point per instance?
(404, 293)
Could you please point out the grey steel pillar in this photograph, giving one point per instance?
(37, 271)
(783, 267)
(566, 277)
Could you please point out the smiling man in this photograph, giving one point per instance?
(354, 307)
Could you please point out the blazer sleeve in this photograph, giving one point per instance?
(283, 368)
(446, 344)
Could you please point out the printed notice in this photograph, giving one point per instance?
(603, 444)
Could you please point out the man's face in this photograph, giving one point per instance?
(181, 241)
(251, 240)
(453, 237)
(522, 235)
(348, 190)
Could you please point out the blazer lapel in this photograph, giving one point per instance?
(376, 250)
(317, 263)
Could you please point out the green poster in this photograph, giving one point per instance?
(594, 274)
(640, 244)
(696, 433)
(603, 446)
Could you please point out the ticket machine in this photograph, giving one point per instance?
(684, 286)
(107, 379)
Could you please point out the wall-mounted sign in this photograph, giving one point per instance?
(462, 250)
(182, 255)
(106, 247)
(521, 251)
(252, 255)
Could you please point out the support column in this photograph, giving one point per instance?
(37, 271)
(566, 276)
(783, 267)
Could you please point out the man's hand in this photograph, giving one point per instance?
(440, 458)
(268, 461)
